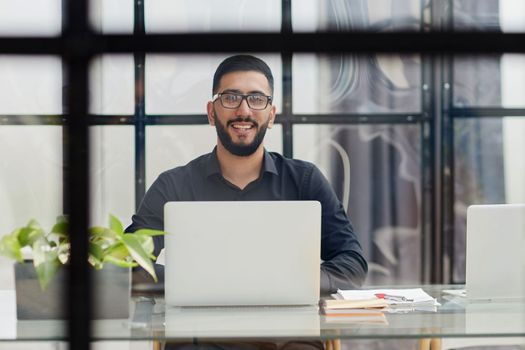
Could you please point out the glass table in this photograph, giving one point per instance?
(152, 320)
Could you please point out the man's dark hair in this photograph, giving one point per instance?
(242, 63)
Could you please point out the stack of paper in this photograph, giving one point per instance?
(356, 316)
(354, 311)
(415, 298)
(353, 304)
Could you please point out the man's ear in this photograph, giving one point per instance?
(273, 112)
(211, 113)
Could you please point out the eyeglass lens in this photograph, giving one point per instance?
(234, 101)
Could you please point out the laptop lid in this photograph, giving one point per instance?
(242, 253)
(495, 252)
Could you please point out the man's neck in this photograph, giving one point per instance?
(240, 171)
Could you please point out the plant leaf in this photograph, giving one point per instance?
(146, 242)
(118, 251)
(119, 262)
(34, 224)
(10, 247)
(97, 264)
(46, 261)
(104, 232)
(29, 234)
(63, 252)
(45, 272)
(96, 251)
(116, 225)
(150, 232)
(43, 252)
(61, 227)
(137, 252)
(102, 236)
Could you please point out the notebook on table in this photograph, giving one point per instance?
(242, 253)
(495, 260)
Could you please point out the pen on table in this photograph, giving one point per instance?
(392, 297)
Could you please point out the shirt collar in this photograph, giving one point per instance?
(213, 167)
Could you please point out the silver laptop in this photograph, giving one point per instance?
(495, 252)
(242, 253)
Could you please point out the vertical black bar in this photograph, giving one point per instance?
(286, 28)
(65, 169)
(441, 16)
(140, 108)
(76, 34)
(447, 157)
(447, 136)
(427, 194)
(427, 168)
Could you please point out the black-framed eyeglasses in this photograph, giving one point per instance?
(232, 101)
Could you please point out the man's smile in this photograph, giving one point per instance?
(241, 127)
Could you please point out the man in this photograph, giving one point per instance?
(239, 168)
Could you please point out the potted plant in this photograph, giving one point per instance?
(40, 283)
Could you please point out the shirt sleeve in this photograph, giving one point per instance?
(344, 266)
(151, 211)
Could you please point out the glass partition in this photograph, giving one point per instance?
(489, 15)
(376, 172)
(372, 15)
(182, 84)
(112, 17)
(489, 81)
(356, 84)
(32, 170)
(112, 85)
(404, 137)
(30, 85)
(176, 16)
(489, 169)
(30, 18)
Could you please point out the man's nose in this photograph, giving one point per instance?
(243, 108)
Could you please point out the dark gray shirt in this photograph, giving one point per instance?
(281, 178)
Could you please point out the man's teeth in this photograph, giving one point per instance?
(242, 126)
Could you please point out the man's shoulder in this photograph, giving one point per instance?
(189, 169)
(293, 164)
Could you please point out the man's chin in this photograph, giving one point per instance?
(241, 149)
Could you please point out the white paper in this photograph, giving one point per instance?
(7, 314)
(455, 292)
(161, 259)
(416, 296)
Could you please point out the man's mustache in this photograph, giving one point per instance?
(242, 120)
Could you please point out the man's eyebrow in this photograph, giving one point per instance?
(236, 91)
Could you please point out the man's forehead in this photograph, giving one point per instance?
(241, 80)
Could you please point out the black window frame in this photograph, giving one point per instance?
(437, 44)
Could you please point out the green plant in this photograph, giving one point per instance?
(106, 245)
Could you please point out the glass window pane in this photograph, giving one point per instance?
(375, 170)
(30, 17)
(171, 146)
(182, 84)
(489, 15)
(488, 169)
(31, 164)
(30, 85)
(112, 84)
(356, 84)
(112, 173)
(211, 15)
(344, 15)
(489, 81)
(115, 16)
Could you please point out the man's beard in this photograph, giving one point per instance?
(241, 150)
